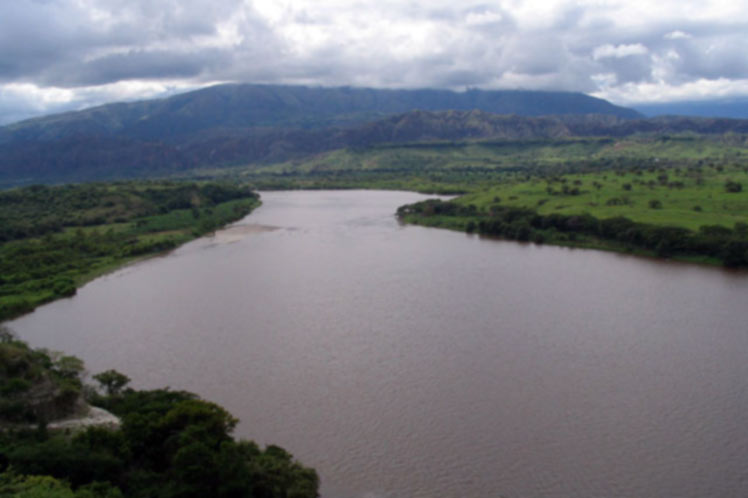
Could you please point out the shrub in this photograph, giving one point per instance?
(733, 187)
(64, 287)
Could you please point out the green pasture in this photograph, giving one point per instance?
(682, 197)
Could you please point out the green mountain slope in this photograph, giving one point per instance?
(230, 107)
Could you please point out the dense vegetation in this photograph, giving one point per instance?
(170, 443)
(35, 385)
(53, 239)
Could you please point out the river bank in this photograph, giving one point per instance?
(712, 245)
(57, 239)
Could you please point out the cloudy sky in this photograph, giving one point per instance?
(58, 55)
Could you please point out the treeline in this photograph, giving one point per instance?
(39, 209)
(55, 238)
(171, 444)
(729, 246)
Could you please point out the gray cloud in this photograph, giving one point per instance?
(136, 64)
(93, 48)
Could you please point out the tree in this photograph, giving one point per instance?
(112, 381)
(733, 187)
(69, 367)
(735, 253)
(33, 487)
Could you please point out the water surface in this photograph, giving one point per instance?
(403, 361)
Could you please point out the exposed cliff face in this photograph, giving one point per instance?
(89, 416)
(47, 401)
(41, 387)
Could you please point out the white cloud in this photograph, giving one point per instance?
(677, 35)
(20, 101)
(702, 89)
(618, 51)
(483, 18)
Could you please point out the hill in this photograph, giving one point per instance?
(233, 125)
(228, 124)
(236, 107)
(736, 108)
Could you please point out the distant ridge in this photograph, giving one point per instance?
(239, 106)
(735, 108)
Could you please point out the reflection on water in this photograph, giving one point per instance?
(402, 361)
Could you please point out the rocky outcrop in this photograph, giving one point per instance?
(92, 417)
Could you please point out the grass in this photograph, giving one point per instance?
(476, 166)
(687, 198)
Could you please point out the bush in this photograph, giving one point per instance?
(64, 287)
(735, 253)
(733, 187)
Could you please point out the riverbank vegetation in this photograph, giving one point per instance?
(695, 214)
(54, 239)
(169, 443)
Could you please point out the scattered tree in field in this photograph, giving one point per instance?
(733, 187)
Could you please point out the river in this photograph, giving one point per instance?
(403, 361)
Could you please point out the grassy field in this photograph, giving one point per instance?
(698, 213)
(475, 166)
(682, 197)
(515, 155)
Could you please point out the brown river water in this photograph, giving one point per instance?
(402, 361)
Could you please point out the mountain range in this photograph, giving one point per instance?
(736, 108)
(229, 125)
